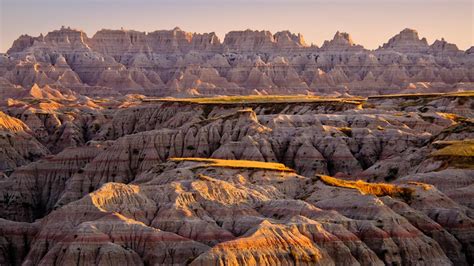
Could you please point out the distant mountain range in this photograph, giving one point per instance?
(179, 63)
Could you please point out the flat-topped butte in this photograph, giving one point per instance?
(255, 99)
(208, 162)
(376, 189)
(266, 99)
(424, 95)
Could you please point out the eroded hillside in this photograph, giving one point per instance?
(238, 180)
(179, 63)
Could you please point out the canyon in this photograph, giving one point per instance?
(174, 148)
(235, 180)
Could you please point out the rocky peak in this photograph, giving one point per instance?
(128, 35)
(343, 38)
(66, 35)
(340, 42)
(442, 46)
(117, 42)
(22, 43)
(262, 41)
(286, 38)
(407, 41)
(409, 34)
(205, 42)
(175, 40)
(249, 40)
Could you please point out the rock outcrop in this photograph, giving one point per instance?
(256, 179)
(252, 186)
(206, 212)
(179, 63)
(17, 145)
(407, 41)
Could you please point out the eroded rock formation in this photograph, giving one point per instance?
(178, 63)
(107, 188)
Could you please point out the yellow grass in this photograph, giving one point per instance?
(8, 123)
(258, 99)
(456, 148)
(455, 153)
(462, 94)
(376, 189)
(423, 185)
(449, 116)
(425, 95)
(237, 164)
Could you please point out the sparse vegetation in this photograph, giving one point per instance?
(259, 99)
(450, 116)
(456, 153)
(414, 95)
(376, 189)
(423, 185)
(425, 95)
(458, 148)
(237, 164)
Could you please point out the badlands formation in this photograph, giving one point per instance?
(112, 151)
(179, 63)
(238, 180)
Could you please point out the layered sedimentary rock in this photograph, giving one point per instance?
(177, 63)
(341, 42)
(212, 213)
(236, 180)
(407, 41)
(17, 145)
(94, 172)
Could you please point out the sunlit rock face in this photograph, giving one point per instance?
(407, 41)
(236, 180)
(17, 145)
(166, 63)
(93, 171)
(194, 212)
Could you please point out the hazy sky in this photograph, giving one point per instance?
(370, 22)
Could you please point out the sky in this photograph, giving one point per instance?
(370, 22)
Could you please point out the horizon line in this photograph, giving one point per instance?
(222, 38)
